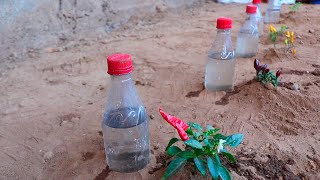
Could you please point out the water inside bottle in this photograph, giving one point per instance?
(219, 74)
(125, 139)
(247, 44)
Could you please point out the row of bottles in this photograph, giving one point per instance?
(220, 65)
(125, 122)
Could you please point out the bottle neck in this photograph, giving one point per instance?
(224, 31)
(121, 78)
(251, 16)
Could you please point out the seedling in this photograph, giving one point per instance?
(274, 33)
(264, 75)
(201, 147)
(295, 7)
(289, 42)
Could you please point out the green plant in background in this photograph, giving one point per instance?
(289, 42)
(295, 7)
(264, 75)
(274, 33)
(202, 148)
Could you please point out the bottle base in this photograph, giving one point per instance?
(246, 55)
(128, 162)
(226, 88)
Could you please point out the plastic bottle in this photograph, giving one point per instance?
(248, 37)
(273, 11)
(259, 16)
(219, 75)
(125, 122)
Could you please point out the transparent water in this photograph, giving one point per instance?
(125, 139)
(247, 44)
(219, 74)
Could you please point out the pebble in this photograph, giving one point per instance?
(295, 87)
(161, 8)
(269, 86)
(52, 50)
(151, 116)
(311, 31)
(48, 155)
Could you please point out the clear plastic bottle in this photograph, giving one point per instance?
(221, 63)
(273, 11)
(125, 122)
(259, 16)
(248, 37)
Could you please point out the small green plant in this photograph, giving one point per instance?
(274, 33)
(295, 7)
(264, 75)
(200, 147)
(289, 42)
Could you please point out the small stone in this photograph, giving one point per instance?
(311, 31)
(295, 87)
(299, 37)
(48, 155)
(308, 19)
(155, 147)
(301, 42)
(52, 50)
(312, 165)
(161, 8)
(151, 116)
(269, 86)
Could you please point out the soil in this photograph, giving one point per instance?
(53, 95)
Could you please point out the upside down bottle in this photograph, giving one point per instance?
(125, 122)
(220, 65)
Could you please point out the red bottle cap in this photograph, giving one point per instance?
(119, 64)
(224, 23)
(256, 1)
(251, 9)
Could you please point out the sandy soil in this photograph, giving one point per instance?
(52, 101)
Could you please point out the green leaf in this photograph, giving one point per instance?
(212, 131)
(208, 143)
(219, 136)
(186, 154)
(195, 125)
(189, 131)
(174, 167)
(234, 140)
(230, 157)
(171, 142)
(197, 134)
(213, 167)
(224, 173)
(198, 152)
(200, 165)
(193, 143)
(173, 150)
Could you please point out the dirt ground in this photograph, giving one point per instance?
(52, 101)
